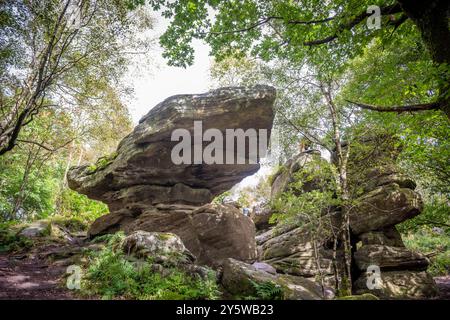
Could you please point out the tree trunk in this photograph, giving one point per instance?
(431, 17)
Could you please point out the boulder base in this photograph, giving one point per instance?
(400, 285)
(239, 279)
(212, 232)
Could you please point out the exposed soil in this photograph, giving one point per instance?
(24, 277)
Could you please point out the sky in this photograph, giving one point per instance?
(160, 81)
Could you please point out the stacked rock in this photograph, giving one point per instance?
(384, 197)
(389, 200)
(298, 250)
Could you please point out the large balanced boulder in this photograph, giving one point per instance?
(142, 173)
(146, 189)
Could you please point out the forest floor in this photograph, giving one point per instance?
(29, 277)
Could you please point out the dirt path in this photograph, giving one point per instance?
(22, 277)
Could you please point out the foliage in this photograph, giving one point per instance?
(435, 244)
(40, 188)
(63, 56)
(111, 275)
(396, 74)
(221, 197)
(11, 241)
(298, 206)
(75, 205)
(266, 290)
(102, 163)
(436, 213)
(266, 29)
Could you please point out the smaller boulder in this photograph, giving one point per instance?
(261, 217)
(161, 247)
(399, 285)
(384, 207)
(384, 175)
(390, 258)
(262, 266)
(388, 236)
(39, 228)
(242, 279)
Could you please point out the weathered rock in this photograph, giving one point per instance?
(158, 246)
(294, 253)
(385, 175)
(388, 236)
(109, 223)
(286, 174)
(384, 207)
(273, 232)
(261, 217)
(212, 232)
(238, 279)
(36, 229)
(262, 266)
(264, 236)
(141, 172)
(389, 258)
(223, 232)
(400, 285)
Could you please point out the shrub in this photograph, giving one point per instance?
(10, 241)
(433, 244)
(78, 206)
(266, 290)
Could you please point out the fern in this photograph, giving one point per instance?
(267, 290)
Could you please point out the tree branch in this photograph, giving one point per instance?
(391, 9)
(267, 20)
(399, 109)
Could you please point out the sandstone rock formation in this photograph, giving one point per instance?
(386, 197)
(165, 251)
(145, 190)
(383, 197)
(298, 250)
(141, 172)
(239, 279)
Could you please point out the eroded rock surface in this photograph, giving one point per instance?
(145, 190)
(141, 172)
(240, 279)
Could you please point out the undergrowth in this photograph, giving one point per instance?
(11, 241)
(111, 275)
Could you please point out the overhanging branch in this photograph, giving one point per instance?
(391, 9)
(399, 109)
